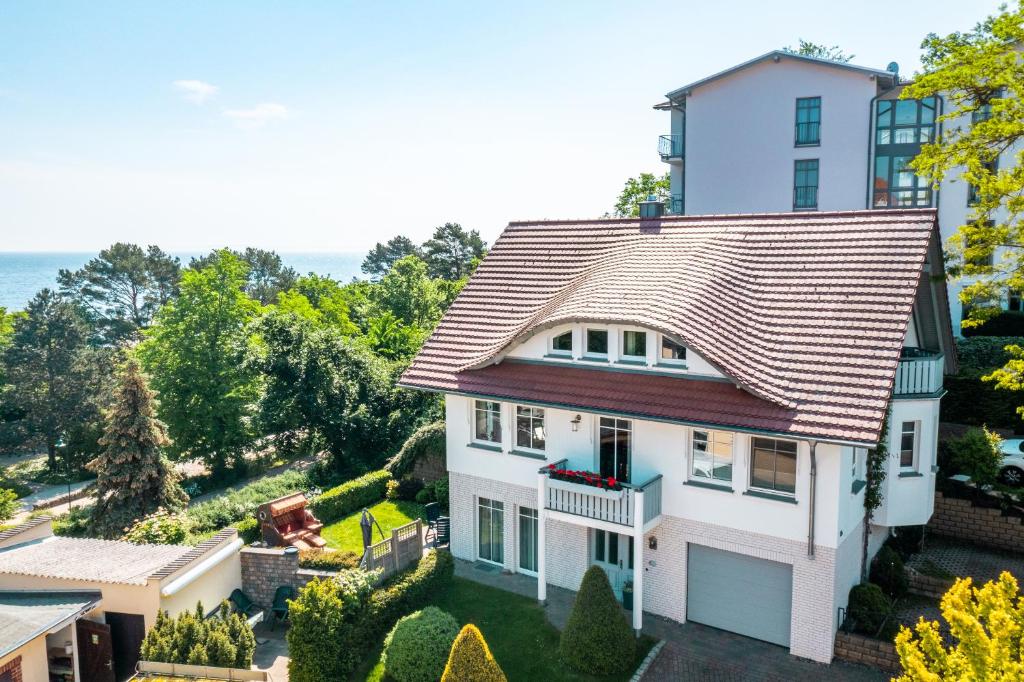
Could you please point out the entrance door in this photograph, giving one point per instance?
(616, 444)
(614, 553)
(127, 631)
(95, 654)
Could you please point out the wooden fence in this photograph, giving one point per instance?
(391, 555)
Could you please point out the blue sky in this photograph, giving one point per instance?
(332, 125)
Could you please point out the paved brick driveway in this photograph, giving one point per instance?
(703, 654)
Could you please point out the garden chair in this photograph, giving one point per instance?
(280, 607)
(432, 511)
(241, 602)
(442, 531)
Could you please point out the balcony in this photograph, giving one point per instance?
(618, 507)
(919, 372)
(675, 206)
(670, 148)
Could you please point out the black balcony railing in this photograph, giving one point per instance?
(670, 146)
(805, 197)
(808, 133)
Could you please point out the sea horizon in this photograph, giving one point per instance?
(25, 273)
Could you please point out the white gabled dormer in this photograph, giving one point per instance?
(617, 346)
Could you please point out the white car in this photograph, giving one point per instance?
(1012, 472)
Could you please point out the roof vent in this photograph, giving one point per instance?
(653, 207)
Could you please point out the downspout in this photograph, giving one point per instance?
(810, 513)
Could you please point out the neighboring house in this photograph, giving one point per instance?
(786, 132)
(134, 581)
(731, 372)
(41, 635)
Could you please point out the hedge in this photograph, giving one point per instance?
(339, 502)
(1006, 323)
(241, 503)
(324, 560)
(425, 441)
(335, 623)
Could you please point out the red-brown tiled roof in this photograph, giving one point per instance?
(807, 312)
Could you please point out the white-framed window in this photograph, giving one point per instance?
(490, 530)
(773, 465)
(561, 344)
(711, 456)
(530, 431)
(634, 345)
(487, 421)
(596, 343)
(671, 353)
(908, 445)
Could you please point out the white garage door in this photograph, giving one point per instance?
(742, 594)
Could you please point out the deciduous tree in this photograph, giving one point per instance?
(637, 190)
(194, 354)
(265, 277)
(408, 292)
(808, 49)
(134, 479)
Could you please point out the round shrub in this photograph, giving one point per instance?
(249, 530)
(409, 488)
(888, 573)
(597, 638)
(425, 495)
(159, 528)
(471, 659)
(868, 608)
(977, 454)
(416, 649)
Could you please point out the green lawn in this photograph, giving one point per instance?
(520, 637)
(346, 534)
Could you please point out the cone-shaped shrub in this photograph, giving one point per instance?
(597, 638)
(470, 659)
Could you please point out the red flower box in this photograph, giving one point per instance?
(584, 478)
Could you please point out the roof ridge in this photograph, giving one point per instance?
(199, 550)
(704, 217)
(31, 523)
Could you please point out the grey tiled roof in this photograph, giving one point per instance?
(25, 615)
(88, 560)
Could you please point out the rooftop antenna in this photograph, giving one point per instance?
(894, 69)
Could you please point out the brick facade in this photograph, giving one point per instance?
(264, 570)
(13, 669)
(812, 626)
(960, 519)
(867, 651)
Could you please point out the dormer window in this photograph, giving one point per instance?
(562, 344)
(634, 345)
(672, 353)
(597, 342)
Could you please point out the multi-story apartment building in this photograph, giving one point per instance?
(785, 132)
(688, 402)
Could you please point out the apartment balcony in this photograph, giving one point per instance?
(919, 372)
(675, 204)
(670, 148)
(634, 506)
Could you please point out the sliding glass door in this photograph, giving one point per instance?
(527, 540)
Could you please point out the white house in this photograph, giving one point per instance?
(786, 132)
(730, 373)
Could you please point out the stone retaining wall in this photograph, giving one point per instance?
(866, 651)
(960, 519)
(926, 585)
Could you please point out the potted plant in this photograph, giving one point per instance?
(627, 595)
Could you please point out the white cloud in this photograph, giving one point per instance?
(258, 115)
(196, 91)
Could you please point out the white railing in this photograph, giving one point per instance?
(919, 372)
(611, 506)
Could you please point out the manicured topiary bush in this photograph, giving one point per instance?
(888, 572)
(597, 638)
(471, 659)
(416, 649)
(868, 608)
(324, 560)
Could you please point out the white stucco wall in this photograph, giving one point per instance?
(740, 138)
(660, 448)
(908, 496)
(211, 588)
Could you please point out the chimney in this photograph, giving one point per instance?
(653, 207)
